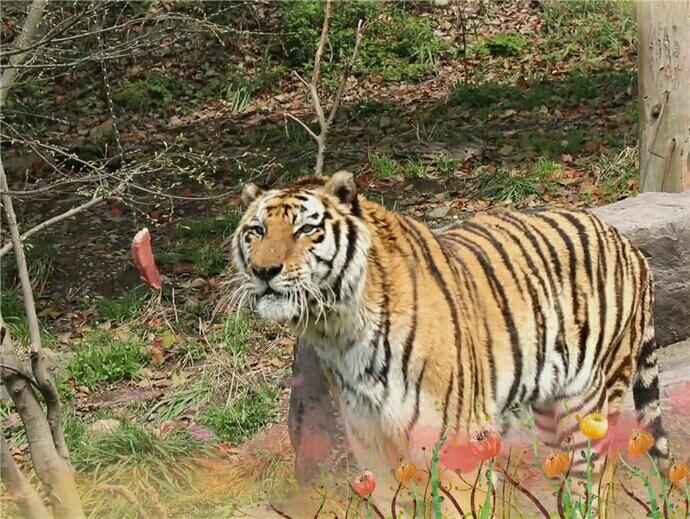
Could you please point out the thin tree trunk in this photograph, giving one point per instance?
(55, 472)
(664, 78)
(23, 494)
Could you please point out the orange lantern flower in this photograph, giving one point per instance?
(594, 426)
(555, 464)
(364, 484)
(486, 444)
(678, 471)
(640, 442)
(405, 472)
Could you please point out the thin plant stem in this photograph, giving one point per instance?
(473, 493)
(453, 501)
(394, 514)
(526, 492)
(636, 499)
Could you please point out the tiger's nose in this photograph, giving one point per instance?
(267, 273)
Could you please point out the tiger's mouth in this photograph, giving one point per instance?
(271, 292)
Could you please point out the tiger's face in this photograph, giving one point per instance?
(292, 249)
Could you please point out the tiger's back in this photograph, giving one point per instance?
(564, 303)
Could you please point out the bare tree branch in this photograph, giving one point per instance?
(346, 73)
(312, 88)
(9, 75)
(23, 494)
(322, 43)
(303, 125)
(38, 365)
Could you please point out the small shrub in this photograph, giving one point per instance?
(243, 417)
(383, 167)
(397, 45)
(102, 358)
(153, 92)
(508, 44)
(506, 187)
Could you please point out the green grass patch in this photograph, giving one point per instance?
(40, 259)
(130, 445)
(617, 173)
(214, 227)
(383, 166)
(206, 259)
(234, 335)
(244, 417)
(177, 403)
(503, 44)
(101, 359)
(505, 186)
(587, 32)
(398, 45)
(12, 307)
(157, 91)
(126, 308)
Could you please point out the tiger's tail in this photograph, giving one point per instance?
(646, 385)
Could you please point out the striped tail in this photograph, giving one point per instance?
(646, 390)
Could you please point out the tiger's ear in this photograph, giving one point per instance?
(342, 186)
(249, 193)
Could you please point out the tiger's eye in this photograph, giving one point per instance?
(305, 229)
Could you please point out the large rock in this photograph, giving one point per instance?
(659, 224)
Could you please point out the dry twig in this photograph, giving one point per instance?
(325, 122)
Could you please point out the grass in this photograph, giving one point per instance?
(617, 173)
(398, 45)
(213, 227)
(157, 91)
(384, 167)
(40, 259)
(12, 308)
(574, 89)
(588, 30)
(502, 44)
(102, 358)
(126, 308)
(204, 259)
(233, 337)
(506, 186)
(243, 417)
(177, 403)
(131, 444)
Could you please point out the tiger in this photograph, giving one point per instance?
(448, 331)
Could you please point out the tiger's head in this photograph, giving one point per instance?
(300, 251)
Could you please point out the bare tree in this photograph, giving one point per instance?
(312, 86)
(664, 77)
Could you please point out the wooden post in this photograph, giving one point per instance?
(664, 79)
